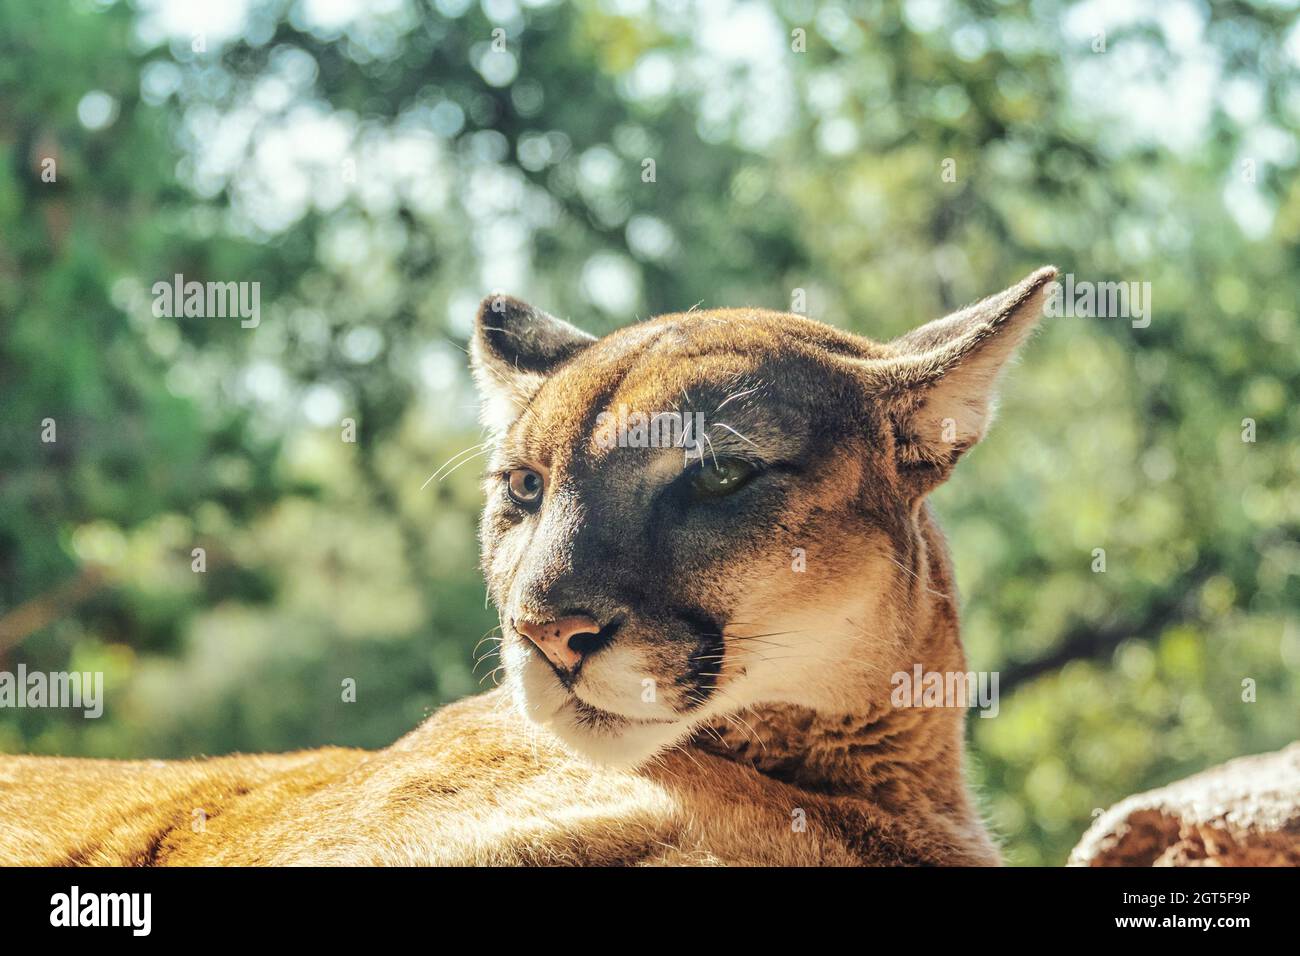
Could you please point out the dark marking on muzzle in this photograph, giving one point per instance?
(700, 678)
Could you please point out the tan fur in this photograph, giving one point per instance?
(794, 761)
(471, 786)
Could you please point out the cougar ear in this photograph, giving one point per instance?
(939, 387)
(514, 348)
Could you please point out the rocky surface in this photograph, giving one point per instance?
(1243, 813)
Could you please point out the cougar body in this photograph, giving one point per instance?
(701, 637)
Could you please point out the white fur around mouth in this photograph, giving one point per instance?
(596, 733)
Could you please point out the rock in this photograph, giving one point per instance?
(1243, 813)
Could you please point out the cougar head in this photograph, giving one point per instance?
(716, 509)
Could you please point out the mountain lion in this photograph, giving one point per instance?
(700, 635)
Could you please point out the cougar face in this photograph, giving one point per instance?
(713, 510)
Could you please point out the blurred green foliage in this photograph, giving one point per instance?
(379, 167)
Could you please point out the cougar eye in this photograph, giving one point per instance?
(717, 478)
(524, 486)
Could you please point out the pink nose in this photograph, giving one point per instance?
(553, 638)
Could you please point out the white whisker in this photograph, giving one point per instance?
(733, 431)
(749, 391)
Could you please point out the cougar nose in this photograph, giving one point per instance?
(564, 641)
